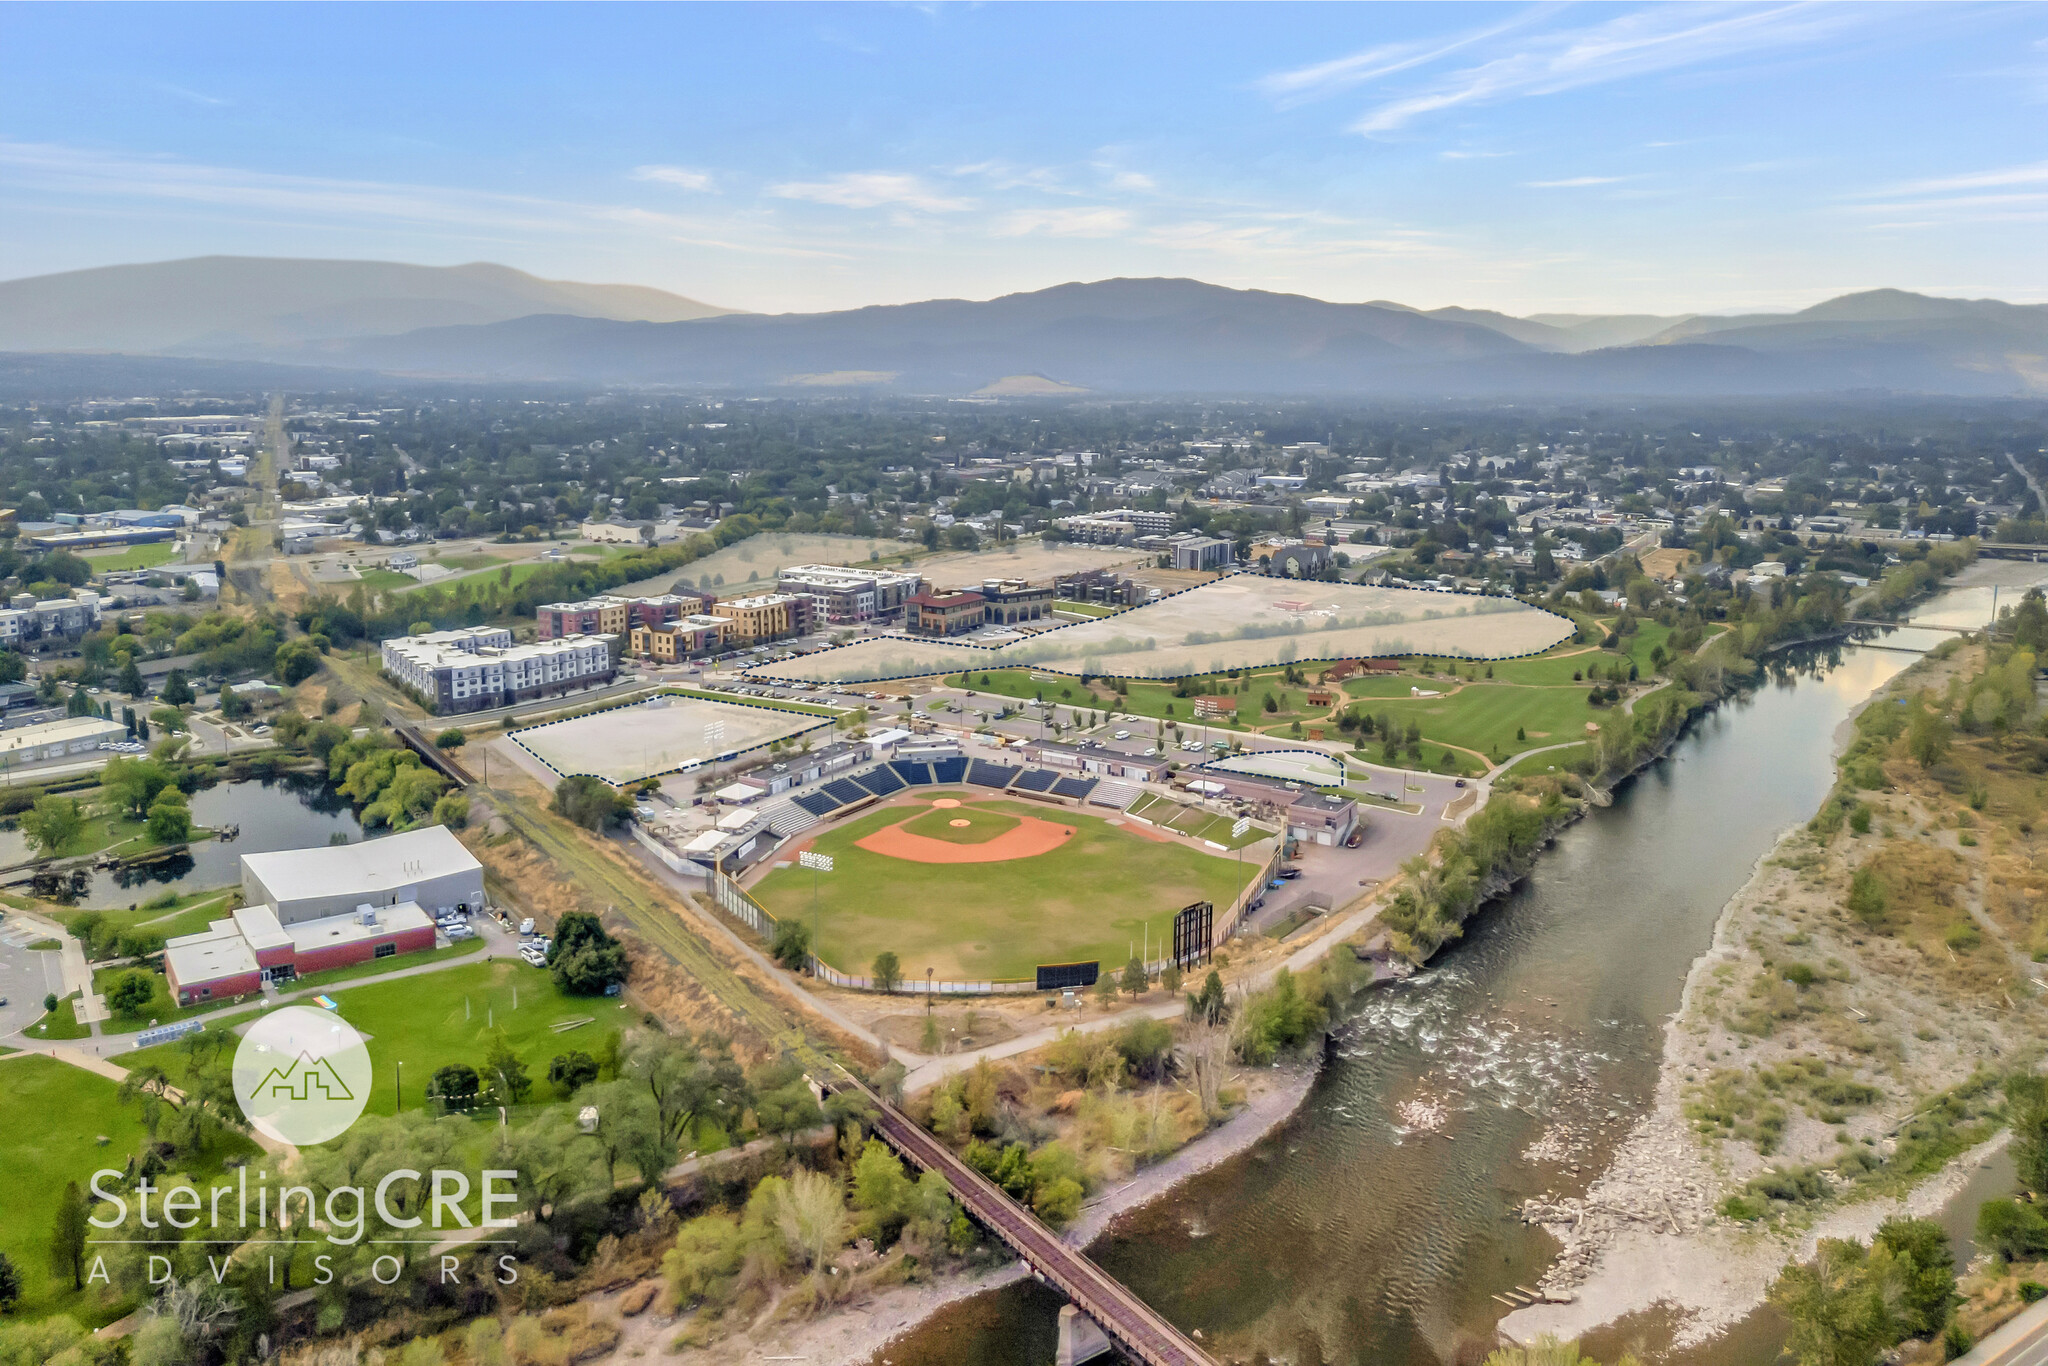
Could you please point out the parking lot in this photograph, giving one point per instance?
(25, 977)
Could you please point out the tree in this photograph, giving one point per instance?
(2026, 1101)
(810, 1212)
(170, 819)
(2015, 1230)
(792, 944)
(1835, 1306)
(10, 1285)
(130, 679)
(133, 784)
(452, 811)
(456, 1086)
(1924, 1272)
(1208, 1005)
(233, 706)
(1135, 977)
(887, 971)
(1169, 978)
(451, 738)
(627, 1130)
(591, 802)
(297, 661)
(569, 1072)
(1928, 737)
(52, 824)
(1105, 989)
(504, 1070)
(131, 992)
(177, 691)
(584, 958)
(68, 1236)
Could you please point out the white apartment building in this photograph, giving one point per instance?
(477, 668)
(849, 595)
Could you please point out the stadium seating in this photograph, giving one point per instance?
(1073, 787)
(913, 775)
(1036, 780)
(947, 771)
(847, 792)
(879, 780)
(819, 804)
(1110, 792)
(998, 776)
(789, 819)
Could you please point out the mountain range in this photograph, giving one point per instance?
(492, 323)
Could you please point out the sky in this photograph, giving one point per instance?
(787, 157)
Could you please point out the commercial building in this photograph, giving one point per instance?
(611, 615)
(1009, 601)
(428, 866)
(102, 536)
(684, 638)
(477, 668)
(1190, 551)
(57, 740)
(766, 616)
(309, 910)
(943, 614)
(851, 595)
(1285, 558)
(1101, 586)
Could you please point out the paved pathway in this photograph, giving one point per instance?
(2022, 1341)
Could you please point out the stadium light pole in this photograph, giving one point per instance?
(817, 863)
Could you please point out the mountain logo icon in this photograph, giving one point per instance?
(304, 1078)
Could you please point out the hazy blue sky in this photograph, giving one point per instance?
(1531, 158)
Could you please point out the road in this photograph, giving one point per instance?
(2021, 1342)
(1137, 1328)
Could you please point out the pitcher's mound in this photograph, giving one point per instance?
(1029, 838)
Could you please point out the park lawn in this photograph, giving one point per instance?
(1487, 716)
(430, 1021)
(1558, 759)
(982, 825)
(71, 1110)
(164, 1010)
(478, 561)
(386, 580)
(1100, 895)
(146, 556)
(61, 1023)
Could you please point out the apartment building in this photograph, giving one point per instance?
(944, 614)
(850, 595)
(477, 668)
(684, 638)
(766, 616)
(1115, 526)
(611, 615)
(25, 620)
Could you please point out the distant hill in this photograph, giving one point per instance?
(250, 307)
(484, 323)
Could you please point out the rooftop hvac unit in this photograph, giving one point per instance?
(367, 914)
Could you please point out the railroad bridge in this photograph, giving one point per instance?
(1102, 1314)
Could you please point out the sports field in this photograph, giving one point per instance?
(662, 735)
(1093, 890)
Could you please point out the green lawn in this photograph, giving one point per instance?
(146, 556)
(1488, 716)
(386, 580)
(61, 1023)
(465, 562)
(1099, 895)
(1156, 700)
(430, 1021)
(1559, 760)
(69, 1110)
(1195, 822)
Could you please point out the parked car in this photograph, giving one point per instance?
(460, 932)
(1123, 735)
(1289, 874)
(1459, 783)
(1356, 838)
(526, 925)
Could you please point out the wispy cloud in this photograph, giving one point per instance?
(873, 190)
(1320, 79)
(1060, 222)
(191, 96)
(2033, 173)
(1460, 154)
(1573, 182)
(2004, 194)
(1643, 42)
(682, 177)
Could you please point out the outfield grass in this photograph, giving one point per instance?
(146, 556)
(70, 1110)
(1100, 895)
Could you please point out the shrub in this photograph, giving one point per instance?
(591, 802)
(2013, 1230)
(451, 738)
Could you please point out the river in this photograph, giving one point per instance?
(1377, 1225)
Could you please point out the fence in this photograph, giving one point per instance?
(670, 859)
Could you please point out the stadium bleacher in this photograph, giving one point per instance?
(879, 780)
(1036, 780)
(846, 792)
(1073, 787)
(913, 775)
(819, 804)
(947, 771)
(984, 774)
(1109, 792)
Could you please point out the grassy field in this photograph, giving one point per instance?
(1488, 717)
(430, 1021)
(61, 1023)
(977, 825)
(1195, 822)
(146, 556)
(72, 1111)
(1099, 895)
(164, 1010)
(386, 580)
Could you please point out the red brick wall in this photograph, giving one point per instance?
(363, 950)
(240, 984)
